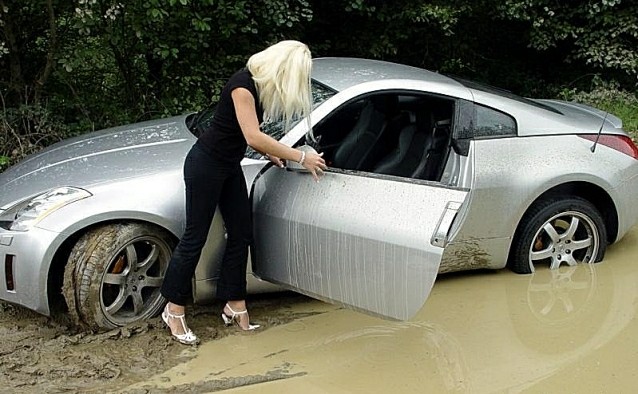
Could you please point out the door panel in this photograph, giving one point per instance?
(361, 241)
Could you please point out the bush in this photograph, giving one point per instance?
(4, 162)
(25, 130)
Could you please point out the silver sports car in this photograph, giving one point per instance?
(427, 174)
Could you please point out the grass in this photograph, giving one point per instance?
(608, 97)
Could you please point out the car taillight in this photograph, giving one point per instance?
(621, 143)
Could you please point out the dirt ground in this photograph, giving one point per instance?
(39, 354)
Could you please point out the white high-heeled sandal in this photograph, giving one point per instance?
(228, 320)
(188, 337)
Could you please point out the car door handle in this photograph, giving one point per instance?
(439, 238)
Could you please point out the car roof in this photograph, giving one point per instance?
(340, 73)
(534, 117)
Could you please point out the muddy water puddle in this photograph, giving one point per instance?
(567, 330)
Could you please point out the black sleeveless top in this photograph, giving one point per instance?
(224, 139)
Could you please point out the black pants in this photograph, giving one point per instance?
(210, 183)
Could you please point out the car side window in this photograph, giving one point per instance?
(276, 128)
(491, 123)
(404, 134)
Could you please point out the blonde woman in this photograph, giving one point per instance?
(274, 85)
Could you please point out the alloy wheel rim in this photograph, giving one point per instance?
(130, 286)
(569, 237)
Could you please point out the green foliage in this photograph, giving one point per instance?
(608, 96)
(603, 33)
(25, 130)
(109, 62)
(4, 162)
(173, 56)
(74, 66)
(383, 29)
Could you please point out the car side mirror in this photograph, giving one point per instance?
(293, 165)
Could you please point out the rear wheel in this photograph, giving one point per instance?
(114, 273)
(554, 232)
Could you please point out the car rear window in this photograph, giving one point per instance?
(493, 123)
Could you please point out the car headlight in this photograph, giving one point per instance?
(27, 214)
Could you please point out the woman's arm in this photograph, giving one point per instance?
(247, 117)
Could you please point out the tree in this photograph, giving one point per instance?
(78, 65)
(602, 34)
(28, 46)
(174, 55)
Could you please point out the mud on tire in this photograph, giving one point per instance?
(114, 273)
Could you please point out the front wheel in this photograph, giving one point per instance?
(554, 232)
(114, 273)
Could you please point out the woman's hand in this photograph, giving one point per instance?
(277, 161)
(314, 163)
(247, 117)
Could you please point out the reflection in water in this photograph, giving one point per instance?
(566, 330)
(566, 291)
(565, 306)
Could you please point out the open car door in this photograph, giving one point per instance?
(368, 242)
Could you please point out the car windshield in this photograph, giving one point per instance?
(201, 120)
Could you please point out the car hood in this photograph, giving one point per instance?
(103, 156)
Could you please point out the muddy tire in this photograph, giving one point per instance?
(567, 231)
(114, 273)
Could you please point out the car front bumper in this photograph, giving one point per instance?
(25, 258)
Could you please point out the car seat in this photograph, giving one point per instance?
(413, 140)
(431, 165)
(355, 150)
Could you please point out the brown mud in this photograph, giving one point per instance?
(566, 330)
(39, 354)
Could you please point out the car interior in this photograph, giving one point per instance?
(405, 135)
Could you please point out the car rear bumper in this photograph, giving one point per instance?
(24, 260)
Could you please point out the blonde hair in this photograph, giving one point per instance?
(282, 76)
